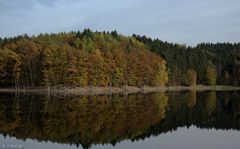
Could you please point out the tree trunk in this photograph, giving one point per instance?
(31, 76)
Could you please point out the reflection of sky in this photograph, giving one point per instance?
(182, 138)
(182, 21)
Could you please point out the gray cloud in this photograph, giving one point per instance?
(181, 21)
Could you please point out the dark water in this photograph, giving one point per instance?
(182, 120)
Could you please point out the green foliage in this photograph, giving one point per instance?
(180, 58)
(1, 40)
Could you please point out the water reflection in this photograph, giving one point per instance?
(90, 120)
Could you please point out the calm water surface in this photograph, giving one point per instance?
(158, 120)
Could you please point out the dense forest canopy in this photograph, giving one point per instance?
(110, 59)
(79, 59)
(213, 63)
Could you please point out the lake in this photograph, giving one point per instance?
(182, 120)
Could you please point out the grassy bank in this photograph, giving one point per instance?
(116, 90)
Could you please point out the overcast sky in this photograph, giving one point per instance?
(181, 21)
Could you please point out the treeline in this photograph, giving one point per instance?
(79, 59)
(110, 59)
(206, 63)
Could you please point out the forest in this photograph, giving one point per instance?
(79, 59)
(110, 59)
(206, 63)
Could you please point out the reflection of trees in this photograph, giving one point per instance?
(82, 120)
(192, 100)
(211, 102)
(101, 119)
(208, 112)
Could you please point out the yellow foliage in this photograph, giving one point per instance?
(191, 77)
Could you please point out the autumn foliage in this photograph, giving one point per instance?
(79, 59)
(190, 77)
(211, 74)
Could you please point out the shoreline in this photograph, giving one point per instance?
(119, 90)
